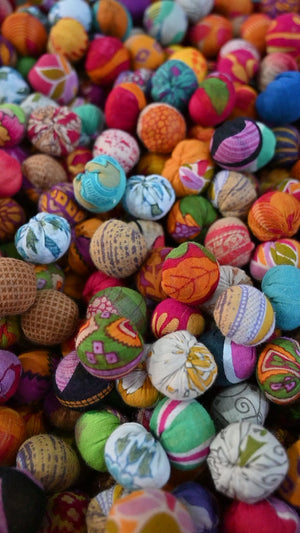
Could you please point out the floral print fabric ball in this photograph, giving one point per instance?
(148, 197)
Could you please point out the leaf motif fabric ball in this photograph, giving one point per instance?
(135, 458)
(106, 58)
(44, 239)
(281, 285)
(13, 86)
(180, 367)
(54, 131)
(185, 431)
(109, 346)
(170, 315)
(239, 457)
(167, 22)
(272, 253)
(174, 82)
(232, 193)
(245, 315)
(118, 144)
(148, 277)
(54, 76)
(160, 127)
(274, 215)
(148, 197)
(102, 184)
(17, 286)
(190, 273)
(213, 100)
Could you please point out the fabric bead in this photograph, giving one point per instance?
(40, 173)
(66, 8)
(36, 378)
(118, 144)
(174, 83)
(27, 34)
(13, 87)
(275, 105)
(281, 285)
(280, 207)
(11, 370)
(160, 127)
(79, 258)
(12, 216)
(210, 33)
(193, 58)
(271, 253)
(167, 22)
(113, 18)
(100, 505)
(12, 175)
(106, 57)
(287, 145)
(201, 505)
(273, 64)
(246, 446)
(289, 490)
(196, 10)
(66, 509)
(148, 277)
(17, 286)
(154, 57)
(170, 315)
(208, 109)
(12, 123)
(280, 36)
(123, 106)
(148, 197)
(60, 200)
(232, 193)
(69, 38)
(54, 76)
(181, 367)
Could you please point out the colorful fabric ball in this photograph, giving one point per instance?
(12, 435)
(254, 29)
(148, 197)
(40, 173)
(213, 100)
(274, 215)
(196, 10)
(12, 216)
(162, 508)
(52, 461)
(232, 193)
(27, 34)
(193, 59)
(121, 301)
(13, 86)
(291, 186)
(18, 286)
(174, 82)
(236, 144)
(245, 99)
(170, 315)
(276, 105)
(36, 379)
(100, 505)
(160, 127)
(210, 33)
(240, 63)
(190, 273)
(245, 315)
(123, 106)
(148, 277)
(60, 200)
(245, 446)
(137, 44)
(180, 367)
(135, 458)
(54, 131)
(54, 76)
(136, 388)
(12, 175)
(280, 36)
(235, 362)
(109, 346)
(92, 122)
(8, 56)
(69, 38)
(10, 331)
(44, 238)
(167, 22)
(102, 184)
(79, 258)
(11, 370)
(113, 18)
(276, 370)
(201, 505)
(18, 486)
(105, 59)
(152, 231)
(126, 251)
(273, 64)
(271, 253)
(267, 152)
(242, 401)
(228, 239)
(35, 101)
(12, 123)
(77, 160)
(290, 487)
(287, 145)
(60, 316)
(171, 423)
(98, 281)
(66, 8)
(141, 77)
(118, 144)
(65, 509)
(281, 285)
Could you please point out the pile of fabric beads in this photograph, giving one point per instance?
(149, 266)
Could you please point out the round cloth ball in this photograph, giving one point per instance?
(36, 379)
(235, 362)
(254, 29)
(185, 430)
(17, 286)
(273, 64)
(12, 123)
(106, 58)
(11, 370)
(79, 258)
(137, 44)
(92, 431)
(236, 143)
(102, 184)
(148, 197)
(281, 35)
(245, 315)
(54, 76)
(232, 193)
(60, 200)
(213, 101)
(123, 106)
(229, 240)
(277, 368)
(35, 101)
(196, 10)
(92, 122)
(118, 144)
(248, 450)
(40, 173)
(12, 216)
(69, 38)
(193, 59)
(274, 253)
(19, 486)
(135, 458)
(181, 367)
(290, 488)
(98, 281)
(66, 8)
(108, 345)
(52, 318)
(8, 56)
(13, 86)
(174, 82)
(242, 401)
(240, 63)
(276, 105)
(190, 273)
(245, 98)
(66, 509)
(269, 515)
(165, 21)
(148, 277)
(287, 145)
(44, 239)
(54, 130)
(147, 510)
(210, 33)
(281, 284)
(49, 277)
(201, 505)
(274, 215)
(51, 460)
(171, 315)
(118, 249)
(11, 181)
(12, 434)
(77, 160)
(160, 127)
(26, 33)
(121, 301)
(136, 388)
(112, 18)
(100, 505)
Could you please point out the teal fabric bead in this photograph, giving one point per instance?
(281, 284)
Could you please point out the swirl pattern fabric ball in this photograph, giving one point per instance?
(171, 423)
(274, 215)
(135, 458)
(54, 76)
(281, 284)
(102, 184)
(180, 367)
(167, 22)
(271, 253)
(148, 197)
(174, 82)
(247, 446)
(245, 315)
(118, 144)
(44, 239)
(160, 127)
(232, 193)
